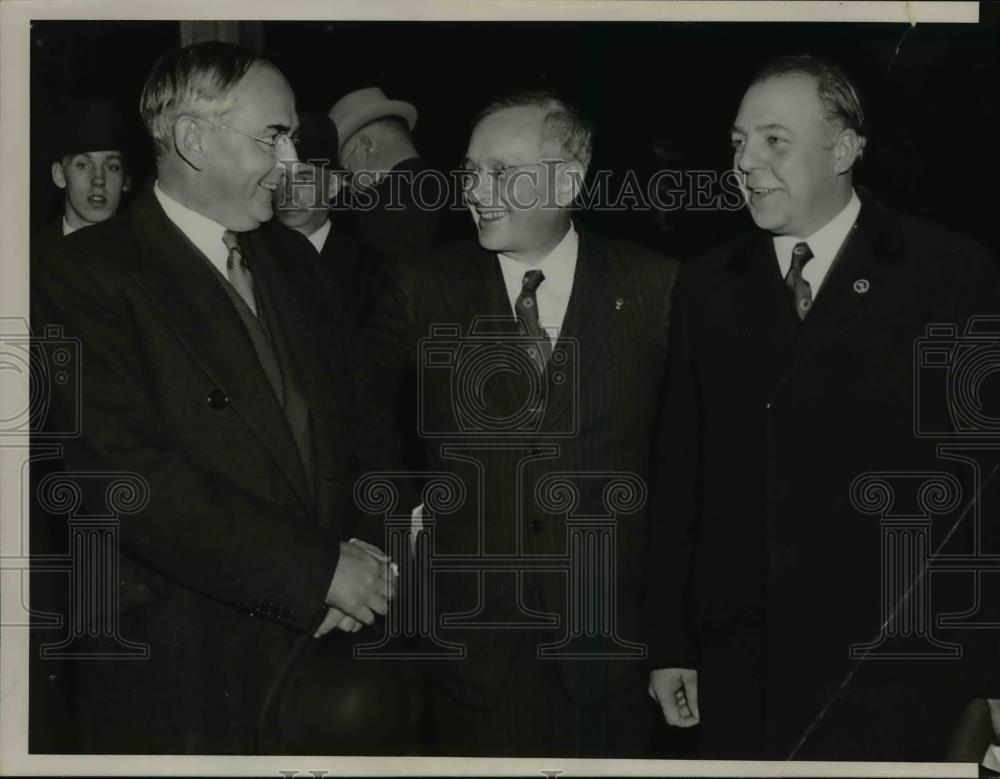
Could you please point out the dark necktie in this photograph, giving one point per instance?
(801, 291)
(237, 271)
(526, 308)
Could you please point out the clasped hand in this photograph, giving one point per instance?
(363, 584)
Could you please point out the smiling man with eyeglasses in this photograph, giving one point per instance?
(210, 379)
(555, 344)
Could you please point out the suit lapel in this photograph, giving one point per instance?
(855, 283)
(760, 298)
(476, 298)
(300, 330)
(588, 320)
(186, 290)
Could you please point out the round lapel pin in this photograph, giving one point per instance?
(861, 286)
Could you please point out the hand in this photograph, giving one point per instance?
(994, 704)
(362, 585)
(335, 619)
(374, 551)
(676, 690)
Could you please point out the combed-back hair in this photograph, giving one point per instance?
(565, 131)
(195, 79)
(842, 106)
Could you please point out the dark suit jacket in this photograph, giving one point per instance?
(391, 220)
(341, 281)
(476, 423)
(769, 573)
(229, 562)
(49, 236)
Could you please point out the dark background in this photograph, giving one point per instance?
(661, 95)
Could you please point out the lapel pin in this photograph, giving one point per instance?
(861, 286)
(619, 303)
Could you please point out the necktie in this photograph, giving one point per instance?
(801, 291)
(237, 271)
(526, 308)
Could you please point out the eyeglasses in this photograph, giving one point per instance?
(273, 143)
(496, 176)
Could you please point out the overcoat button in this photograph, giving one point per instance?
(217, 400)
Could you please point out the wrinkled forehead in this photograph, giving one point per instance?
(510, 135)
(264, 97)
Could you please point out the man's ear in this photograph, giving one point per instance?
(58, 175)
(190, 142)
(335, 181)
(847, 148)
(569, 182)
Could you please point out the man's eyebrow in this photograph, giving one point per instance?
(760, 128)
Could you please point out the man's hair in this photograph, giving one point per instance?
(837, 93)
(563, 126)
(195, 79)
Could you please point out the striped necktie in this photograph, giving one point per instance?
(237, 271)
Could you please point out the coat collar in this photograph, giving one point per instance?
(477, 294)
(872, 252)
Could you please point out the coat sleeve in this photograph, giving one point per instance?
(199, 528)
(674, 499)
(385, 391)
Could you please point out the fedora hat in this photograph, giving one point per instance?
(356, 109)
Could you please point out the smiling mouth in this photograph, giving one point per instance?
(491, 214)
(97, 201)
(270, 186)
(760, 192)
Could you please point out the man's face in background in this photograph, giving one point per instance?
(303, 200)
(94, 182)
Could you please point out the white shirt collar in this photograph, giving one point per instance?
(205, 234)
(68, 228)
(318, 238)
(558, 267)
(825, 243)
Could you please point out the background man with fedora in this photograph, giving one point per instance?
(209, 379)
(791, 374)
(397, 196)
